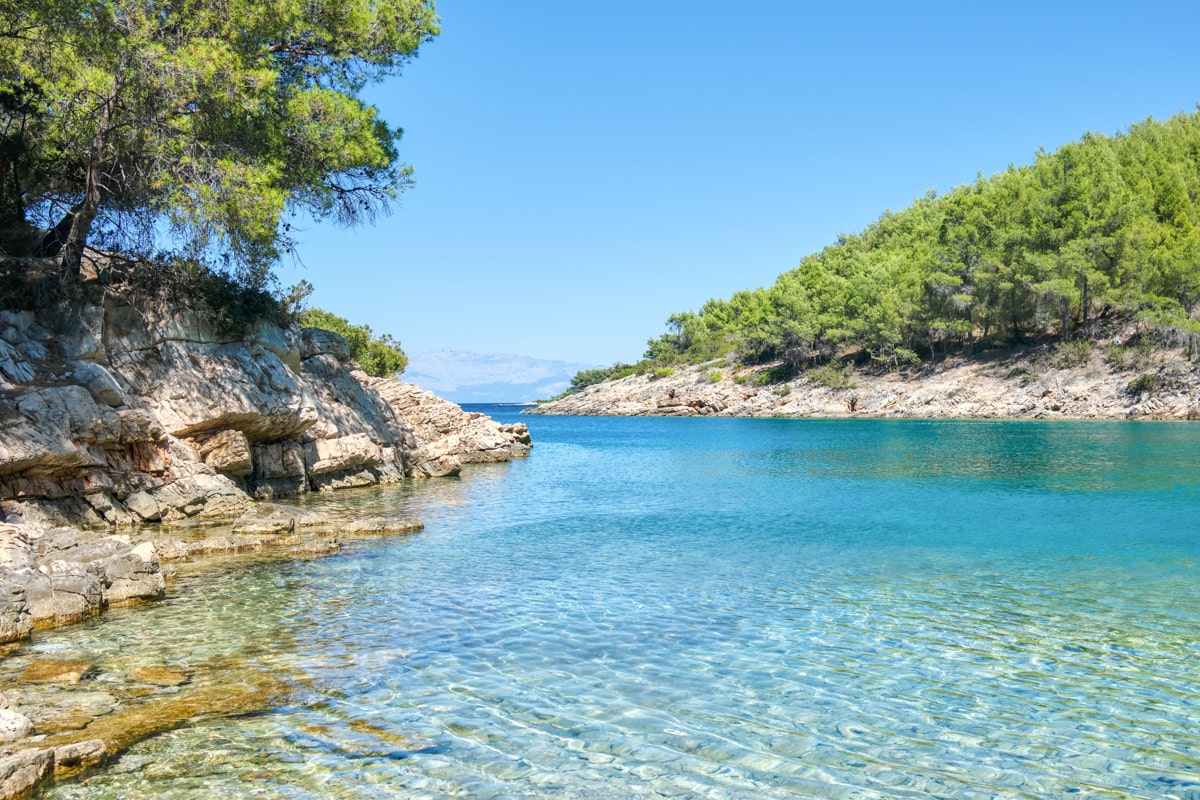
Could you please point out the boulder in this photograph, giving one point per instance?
(22, 771)
(16, 619)
(201, 496)
(75, 756)
(56, 671)
(60, 593)
(99, 382)
(160, 675)
(14, 726)
(282, 342)
(320, 342)
(227, 452)
(338, 455)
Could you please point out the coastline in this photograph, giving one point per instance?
(137, 444)
(1027, 384)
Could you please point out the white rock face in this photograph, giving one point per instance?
(119, 416)
(447, 434)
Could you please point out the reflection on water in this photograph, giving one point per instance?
(719, 608)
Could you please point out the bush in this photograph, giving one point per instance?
(1072, 354)
(714, 376)
(380, 356)
(782, 391)
(662, 372)
(740, 380)
(1143, 384)
(831, 376)
(1130, 356)
(1019, 373)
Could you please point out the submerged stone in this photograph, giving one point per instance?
(56, 671)
(160, 675)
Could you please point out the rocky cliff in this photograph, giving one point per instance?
(1106, 381)
(115, 415)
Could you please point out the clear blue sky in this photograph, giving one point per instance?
(586, 169)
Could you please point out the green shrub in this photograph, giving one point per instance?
(1130, 356)
(380, 356)
(1019, 373)
(740, 380)
(1072, 354)
(782, 391)
(1143, 384)
(662, 372)
(714, 376)
(832, 376)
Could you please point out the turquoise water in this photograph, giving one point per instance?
(720, 609)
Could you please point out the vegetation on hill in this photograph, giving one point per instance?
(1105, 225)
(124, 125)
(380, 356)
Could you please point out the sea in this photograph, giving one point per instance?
(713, 608)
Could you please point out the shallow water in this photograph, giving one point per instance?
(720, 609)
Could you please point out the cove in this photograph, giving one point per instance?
(722, 608)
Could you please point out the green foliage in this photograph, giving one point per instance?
(740, 380)
(714, 376)
(1132, 355)
(120, 120)
(1143, 384)
(380, 356)
(661, 372)
(1072, 354)
(782, 391)
(832, 376)
(1104, 224)
(1019, 374)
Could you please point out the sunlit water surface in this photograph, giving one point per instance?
(718, 609)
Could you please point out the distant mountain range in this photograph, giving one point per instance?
(467, 377)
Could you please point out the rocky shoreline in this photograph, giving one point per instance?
(1107, 381)
(135, 440)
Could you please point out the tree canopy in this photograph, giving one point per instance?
(122, 120)
(1106, 224)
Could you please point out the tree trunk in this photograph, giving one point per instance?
(85, 212)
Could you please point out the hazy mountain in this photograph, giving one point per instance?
(466, 377)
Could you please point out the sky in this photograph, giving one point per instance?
(586, 169)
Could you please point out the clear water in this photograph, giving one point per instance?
(719, 609)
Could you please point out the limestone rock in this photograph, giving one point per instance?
(16, 619)
(75, 756)
(22, 771)
(201, 496)
(160, 675)
(380, 525)
(16, 551)
(56, 671)
(282, 342)
(444, 430)
(14, 726)
(98, 403)
(60, 593)
(99, 382)
(320, 342)
(337, 455)
(227, 452)
(436, 466)
(265, 525)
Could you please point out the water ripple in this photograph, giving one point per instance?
(725, 609)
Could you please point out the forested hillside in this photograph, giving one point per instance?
(1105, 225)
